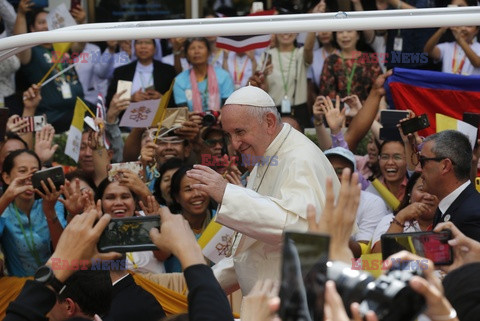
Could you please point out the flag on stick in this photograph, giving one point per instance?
(74, 139)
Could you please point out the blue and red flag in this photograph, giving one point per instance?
(431, 92)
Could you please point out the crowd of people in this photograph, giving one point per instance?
(241, 158)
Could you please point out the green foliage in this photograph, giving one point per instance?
(59, 155)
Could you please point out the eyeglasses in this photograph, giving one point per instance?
(213, 142)
(422, 159)
(396, 157)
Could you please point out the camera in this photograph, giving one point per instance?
(209, 117)
(390, 296)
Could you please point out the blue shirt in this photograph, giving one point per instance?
(182, 89)
(19, 259)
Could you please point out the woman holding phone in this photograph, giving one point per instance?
(120, 201)
(28, 226)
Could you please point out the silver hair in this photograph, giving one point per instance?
(260, 112)
(455, 146)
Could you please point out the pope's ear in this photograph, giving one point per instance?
(271, 120)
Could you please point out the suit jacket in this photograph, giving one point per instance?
(131, 302)
(163, 75)
(465, 213)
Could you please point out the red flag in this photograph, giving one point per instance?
(431, 92)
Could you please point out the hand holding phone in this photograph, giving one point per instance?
(304, 273)
(56, 174)
(415, 124)
(129, 234)
(431, 245)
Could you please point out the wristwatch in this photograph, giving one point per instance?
(44, 275)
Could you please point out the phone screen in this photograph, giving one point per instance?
(304, 269)
(431, 245)
(129, 234)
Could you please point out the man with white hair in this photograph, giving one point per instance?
(290, 172)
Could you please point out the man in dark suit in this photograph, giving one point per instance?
(445, 162)
(150, 78)
(130, 301)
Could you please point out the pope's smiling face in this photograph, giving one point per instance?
(248, 134)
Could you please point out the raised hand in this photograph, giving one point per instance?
(43, 143)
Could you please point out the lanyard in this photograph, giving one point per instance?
(150, 80)
(238, 80)
(349, 77)
(130, 257)
(30, 242)
(457, 69)
(285, 82)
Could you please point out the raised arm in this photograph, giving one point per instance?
(431, 45)
(20, 27)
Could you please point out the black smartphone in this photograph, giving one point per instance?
(75, 3)
(415, 124)
(431, 245)
(389, 134)
(56, 174)
(129, 234)
(304, 269)
(391, 117)
(471, 118)
(3, 122)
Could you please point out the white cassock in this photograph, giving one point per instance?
(294, 179)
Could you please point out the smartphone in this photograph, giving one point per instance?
(431, 245)
(129, 234)
(390, 134)
(56, 174)
(75, 3)
(35, 123)
(391, 117)
(115, 173)
(304, 269)
(415, 124)
(3, 122)
(124, 85)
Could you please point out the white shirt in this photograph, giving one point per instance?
(240, 68)
(296, 177)
(447, 55)
(170, 60)
(295, 80)
(92, 84)
(371, 210)
(384, 225)
(450, 198)
(146, 263)
(315, 70)
(143, 77)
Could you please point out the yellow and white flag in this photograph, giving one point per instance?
(74, 140)
(445, 122)
(215, 241)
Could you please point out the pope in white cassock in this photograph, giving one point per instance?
(290, 174)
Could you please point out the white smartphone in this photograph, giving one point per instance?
(121, 86)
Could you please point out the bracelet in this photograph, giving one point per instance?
(394, 220)
(452, 315)
(317, 123)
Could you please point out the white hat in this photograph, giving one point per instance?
(342, 152)
(252, 96)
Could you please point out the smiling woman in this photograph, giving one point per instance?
(193, 204)
(119, 201)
